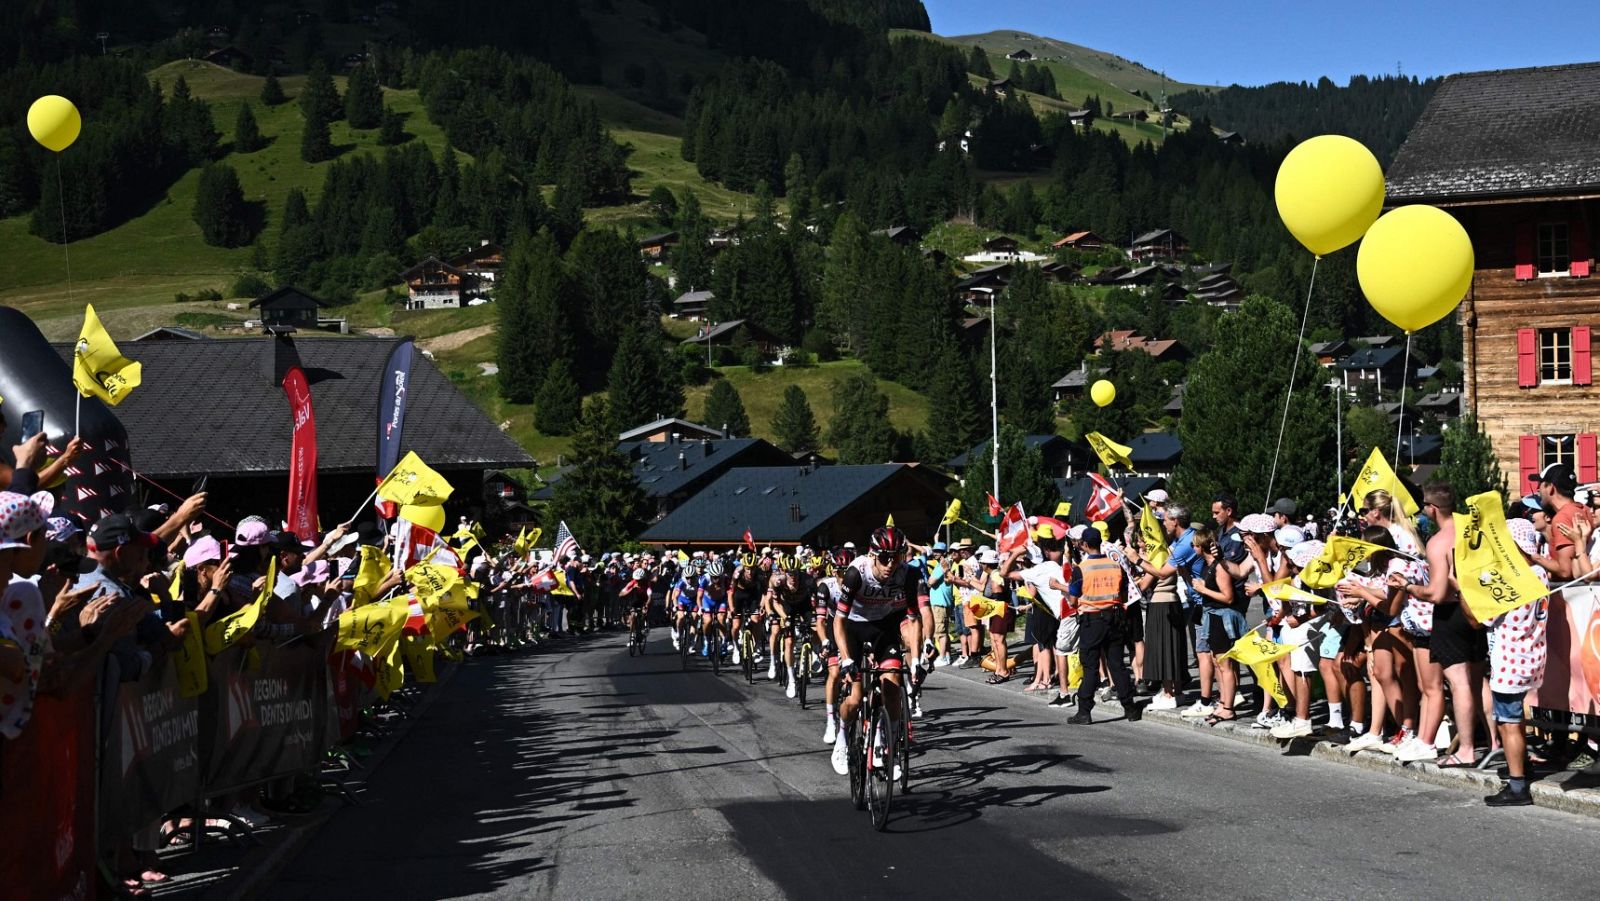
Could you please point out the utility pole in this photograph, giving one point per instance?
(102, 35)
(994, 396)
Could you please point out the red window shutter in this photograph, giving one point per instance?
(1578, 247)
(1524, 252)
(1586, 458)
(1527, 460)
(1527, 358)
(1581, 371)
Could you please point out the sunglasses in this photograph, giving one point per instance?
(887, 557)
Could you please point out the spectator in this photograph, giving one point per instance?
(1166, 656)
(1101, 592)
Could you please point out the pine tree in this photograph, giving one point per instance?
(319, 99)
(860, 429)
(316, 143)
(363, 99)
(953, 420)
(533, 325)
(692, 257)
(978, 63)
(558, 404)
(272, 92)
(246, 134)
(725, 410)
(794, 425)
(1468, 462)
(797, 190)
(1023, 479)
(663, 205)
(392, 130)
(566, 210)
(644, 383)
(219, 207)
(599, 498)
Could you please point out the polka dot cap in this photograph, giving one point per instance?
(19, 517)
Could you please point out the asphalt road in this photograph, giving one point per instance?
(575, 771)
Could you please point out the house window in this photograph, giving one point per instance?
(1552, 254)
(1555, 356)
(1558, 449)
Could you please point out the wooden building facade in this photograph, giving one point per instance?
(1514, 155)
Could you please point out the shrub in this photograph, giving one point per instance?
(249, 284)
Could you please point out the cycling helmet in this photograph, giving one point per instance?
(715, 569)
(841, 557)
(888, 540)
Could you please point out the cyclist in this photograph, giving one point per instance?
(828, 594)
(747, 598)
(792, 596)
(879, 590)
(713, 603)
(636, 596)
(917, 631)
(686, 593)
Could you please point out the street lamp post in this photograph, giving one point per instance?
(994, 397)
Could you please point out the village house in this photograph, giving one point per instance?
(1160, 350)
(656, 247)
(1082, 240)
(482, 264)
(1021, 56)
(434, 284)
(740, 332)
(903, 235)
(1381, 368)
(289, 308)
(1514, 155)
(1158, 244)
(692, 304)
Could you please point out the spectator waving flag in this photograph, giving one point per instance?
(1013, 530)
(566, 545)
(1103, 499)
(749, 540)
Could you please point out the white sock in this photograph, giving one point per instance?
(829, 710)
(1358, 728)
(1335, 715)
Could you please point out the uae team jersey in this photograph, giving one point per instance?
(866, 599)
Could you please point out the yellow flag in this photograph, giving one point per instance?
(1063, 510)
(1267, 678)
(98, 368)
(1284, 591)
(534, 536)
(189, 660)
(447, 613)
(414, 482)
(174, 583)
(221, 634)
(418, 654)
(370, 573)
(1255, 649)
(1154, 537)
(1376, 474)
(1494, 576)
(983, 607)
(520, 545)
(390, 676)
(1109, 452)
(370, 629)
(952, 513)
(432, 580)
(1338, 557)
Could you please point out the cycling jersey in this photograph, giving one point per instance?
(826, 596)
(866, 598)
(746, 597)
(798, 599)
(687, 590)
(713, 595)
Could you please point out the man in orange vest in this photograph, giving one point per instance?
(1101, 592)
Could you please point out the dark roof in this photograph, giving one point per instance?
(1155, 448)
(431, 262)
(1160, 234)
(655, 463)
(1329, 348)
(1512, 131)
(289, 297)
(1371, 358)
(208, 407)
(1046, 444)
(753, 331)
(661, 238)
(688, 298)
(1421, 446)
(759, 498)
(169, 333)
(683, 426)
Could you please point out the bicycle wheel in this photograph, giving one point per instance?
(685, 644)
(802, 671)
(747, 653)
(905, 740)
(714, 643)
(858, 770)
(880, 778)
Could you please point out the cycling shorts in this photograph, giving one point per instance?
(880, 638)
(686, 602)
(713, 604)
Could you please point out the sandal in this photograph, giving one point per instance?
(1456, 761)
(153, 877)
(998, 679)
(1214, 719)
(133, 888)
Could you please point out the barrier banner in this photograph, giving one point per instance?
(47, 802)
(266, 721)
(346, 691)
(1570, 694)
(150, 756)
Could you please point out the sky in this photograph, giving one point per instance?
(1253, 42)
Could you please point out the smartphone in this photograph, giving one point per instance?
(32, 424)
(199, 485)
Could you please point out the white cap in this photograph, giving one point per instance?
(1158, 495)
(1077, 532)
(1289, 536)
(988, 557)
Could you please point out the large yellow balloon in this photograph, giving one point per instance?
(54, 122)
(1102, 393)
(430, 517)
(1329, 191)
(1415, 265)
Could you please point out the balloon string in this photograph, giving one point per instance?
(1298, 344)
(61, 198)
(1405, 378)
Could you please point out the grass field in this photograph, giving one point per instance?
(762, 394)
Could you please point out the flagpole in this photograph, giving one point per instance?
(994, 396)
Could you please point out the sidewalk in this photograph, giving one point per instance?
(1564, 790)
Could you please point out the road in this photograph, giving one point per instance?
(575, 771)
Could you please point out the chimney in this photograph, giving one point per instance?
(794, 512)
(705, 446)
(675, 437)
(279, 355)
(683, 461)
(725, 432)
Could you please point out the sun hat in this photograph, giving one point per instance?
(19, 518)
(1532, 502)
(1289, 536)
(1258, 524)
(1303, 553)
(1525, 535)
(313, 573)
(62, 529)
(204, 550)
(1157, 495)
(988, 557)
(252, 531)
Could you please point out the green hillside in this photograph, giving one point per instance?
(762, 394)
(1078, 66)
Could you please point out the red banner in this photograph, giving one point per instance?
(302, 507)
(47, 802)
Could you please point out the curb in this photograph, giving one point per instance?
(1552, 791)
(252, 878)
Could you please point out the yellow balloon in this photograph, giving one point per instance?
(1102, 393)
(1415, 264)
(1329, 191)
(54, 122)
(430, 517)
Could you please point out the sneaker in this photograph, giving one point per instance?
(675, 641)
(1415, 750)
(1366, 741)
(1198, 710)
(941, 661)
(916, 709)
(1081, 718)
(1133, 712)
(1508, 798)
(1292, 729)
(772, 670)
(1164, 702)
(1391, 744)
(967, 663)
(1062, 700)
(1104, 695)
(831, 732)
(736, 658)
(1266, 720)
(1239, 699)
(705, 651)
(789, 692)
(249, 816)
(841, 756)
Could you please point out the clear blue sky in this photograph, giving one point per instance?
(1259, 41)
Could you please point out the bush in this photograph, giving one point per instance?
(203, 294)
(798, 359)
(820, 345)
(751, 355)
(250, 285)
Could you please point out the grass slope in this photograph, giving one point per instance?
(1097, 65)
(762, 394)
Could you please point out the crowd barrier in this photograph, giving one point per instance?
(1569, 699)
(93, 768)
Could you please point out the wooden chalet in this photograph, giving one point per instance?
(656, 247)
(1084, 240)
(903, 235)
(1331, 352)
(998, 88)
(1380, 367)
(1002, 244)
(738, 331)
(1159, 349)
(289, 307)
(231, 57)
(434, 284)
(692, 304)
(1080, 118)
(671, 430)
(483, 264)
(1159, 244)
(1514, 155)
(1021, 56)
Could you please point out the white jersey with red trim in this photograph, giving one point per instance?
(866, 598)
